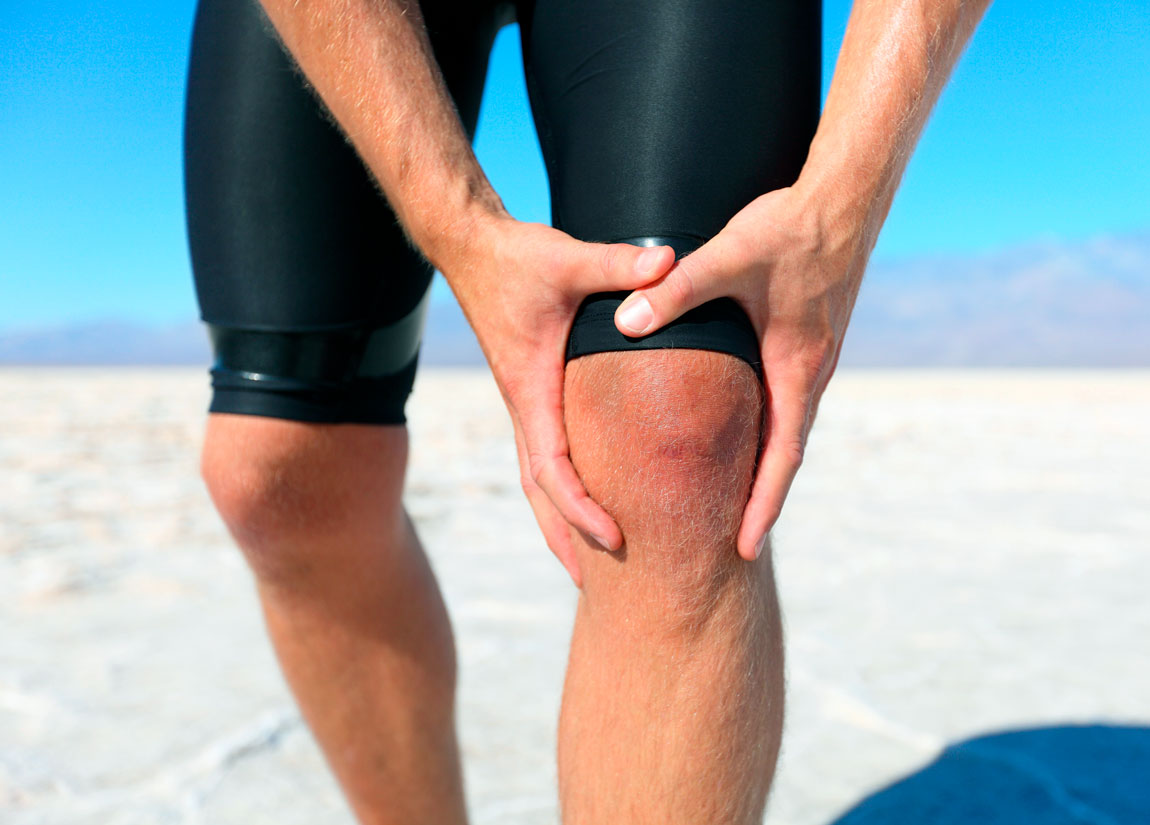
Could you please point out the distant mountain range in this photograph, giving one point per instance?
(1048, 303)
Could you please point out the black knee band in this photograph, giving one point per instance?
(720, 325)
(356, 374)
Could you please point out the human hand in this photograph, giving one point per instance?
(520, 285)
(796, 274)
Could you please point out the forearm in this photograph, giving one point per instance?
(371, 63)
(895, 60)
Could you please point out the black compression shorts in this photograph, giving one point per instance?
(658, 121)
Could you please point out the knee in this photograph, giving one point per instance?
(281, 487)
(666, 441)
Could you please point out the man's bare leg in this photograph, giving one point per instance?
(351, 604)
(672, 709)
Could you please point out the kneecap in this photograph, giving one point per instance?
(666, 442)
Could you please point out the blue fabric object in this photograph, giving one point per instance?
(1074, 775)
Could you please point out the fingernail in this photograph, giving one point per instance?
(602, 541)
(637, 316)
(762, 543)
(646, 260)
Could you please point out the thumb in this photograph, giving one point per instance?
(691, 282)
(618, 266)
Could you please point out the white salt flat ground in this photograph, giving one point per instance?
(963, 552)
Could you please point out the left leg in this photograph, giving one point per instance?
(658, 122)
(672, 710)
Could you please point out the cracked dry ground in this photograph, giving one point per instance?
(963, 551)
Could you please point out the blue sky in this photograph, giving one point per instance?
(1042, 134)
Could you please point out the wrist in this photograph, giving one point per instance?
(457, 226)
(848, 204)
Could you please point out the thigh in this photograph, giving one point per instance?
(313, 298)
(665, 118)
(659, 120)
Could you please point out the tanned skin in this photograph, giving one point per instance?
(673, 704)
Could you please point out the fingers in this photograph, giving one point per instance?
(789, 410)
(618, 266)
(693, 281)
(540, 413)
(555, 529)
(556, 476)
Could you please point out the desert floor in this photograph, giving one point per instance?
(963, 552)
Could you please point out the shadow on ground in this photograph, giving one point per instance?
(1074, 775)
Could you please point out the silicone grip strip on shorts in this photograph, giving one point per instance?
(720, 325)
(295, 360)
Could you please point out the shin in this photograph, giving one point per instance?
(673, 704)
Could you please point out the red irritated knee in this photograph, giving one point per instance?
(666, 442)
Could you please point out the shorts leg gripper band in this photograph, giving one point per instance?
(720, 325)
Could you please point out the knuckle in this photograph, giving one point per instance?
(789, 433)
(536, 467)
(610, 258)
(817, 356)
(827, 346)
(681, 288)
(793, 452)
(527, 483)
(511, 385)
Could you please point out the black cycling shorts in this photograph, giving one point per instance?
(658, 121)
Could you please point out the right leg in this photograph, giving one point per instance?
(350, 602)
(314, 302)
